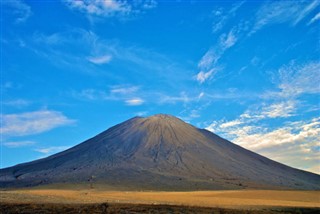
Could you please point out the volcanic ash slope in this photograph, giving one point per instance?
(160, 152)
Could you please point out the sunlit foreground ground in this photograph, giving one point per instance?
(240, 199)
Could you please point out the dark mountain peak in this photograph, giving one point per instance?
(165, 119)
(159, 152)
(163, 116)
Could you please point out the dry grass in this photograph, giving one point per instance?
(223, 199)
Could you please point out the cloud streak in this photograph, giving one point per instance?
(110, 8)
(277, 12)
(221, 17)
(294, 80)
(100, 59)
(134, 102)
(18, 144)
(30, 123)
(128, 94)
(124, 89)
(314, 19)
(295, 143)
(207, 64)
(21, 10)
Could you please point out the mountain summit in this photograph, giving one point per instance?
(159, 152)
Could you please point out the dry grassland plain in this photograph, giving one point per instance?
(239, 199)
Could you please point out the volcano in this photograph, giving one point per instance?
(159, 152)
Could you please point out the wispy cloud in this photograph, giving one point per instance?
(127, 93)
(21, 10)
(230, 124)
(35, 122)
(100, 59)
(91, 94)
(120, 89)
(208, 59)
(52, 149)
(110, 8)
(134, 102)
(100, 8)
(54, 48)
(294, 80)
(221, 17)
(17, 103)
(277, 12)
(18, 144)
(201, 95)
(295, 143)
(279, 109)
(314, 19)
(141, 113)
(306, 10)
(228, 40)
(207, 64)
(182, 97)
(203, 76)
(294, 132)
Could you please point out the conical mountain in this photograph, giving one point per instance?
(159, 152)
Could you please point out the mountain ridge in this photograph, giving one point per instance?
(159, 152)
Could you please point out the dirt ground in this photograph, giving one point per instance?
(262, 200)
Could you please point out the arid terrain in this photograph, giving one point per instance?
(158, 164)
(92, 200)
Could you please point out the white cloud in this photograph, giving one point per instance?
(52, 39)
(295, 143)
(201, 95)
(128, 94)
(231, 123)
(203, 76)
(220, 18)
(308, 8)
(277, 12)
(138, 59)
(315, 18)
(18, 144)
(35, 122)
(194, 114)
(207, 63)
(52, 149)
(100, 59)
(100, 7)
(92, 94)
(294, 80)
(208, 59)
(108, 8)
(183, 97)
(228, 40)
(149, 4)
(134, 102)
(141, 113)
(280, 109)
(124, 89)
(20, 9)
(18, 103)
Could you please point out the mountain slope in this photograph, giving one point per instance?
(159, 152)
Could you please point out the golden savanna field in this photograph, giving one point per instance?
(254, 201)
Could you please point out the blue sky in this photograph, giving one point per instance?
(246, 70)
